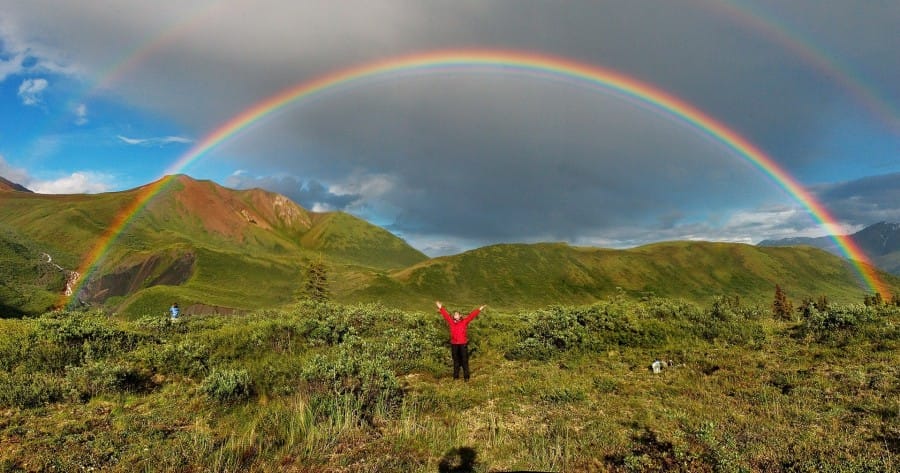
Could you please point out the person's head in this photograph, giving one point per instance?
(457, 316)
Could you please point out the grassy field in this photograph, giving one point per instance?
(336, 388)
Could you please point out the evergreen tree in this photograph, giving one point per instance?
(317, 281)
(781, 306)
(822, 304)
(873, 300)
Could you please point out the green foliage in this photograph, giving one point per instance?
(29, 389)
(616, 323)
(317, 281)
(838, 324)
(106, 377)
(365, 388)
(358, 373)
(227, 384)
(184, 357)
(331, 325)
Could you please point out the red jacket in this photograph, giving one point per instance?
(458, 329)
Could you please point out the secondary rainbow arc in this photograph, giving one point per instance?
(508, 61)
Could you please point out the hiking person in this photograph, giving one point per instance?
(173, 311)
(459, 343)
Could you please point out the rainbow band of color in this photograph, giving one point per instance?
(507, 61)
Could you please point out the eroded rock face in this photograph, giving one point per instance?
(147, 273)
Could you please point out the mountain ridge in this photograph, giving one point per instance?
(206, 245)
(879, 241)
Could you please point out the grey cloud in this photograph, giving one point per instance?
(514, 158)
(864, 201)
(497, 156)
(309, 194)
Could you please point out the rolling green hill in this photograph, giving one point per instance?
(529, 275)
(216, 249)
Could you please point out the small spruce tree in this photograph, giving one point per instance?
(822, 304)
(317, 281)
(781, 306)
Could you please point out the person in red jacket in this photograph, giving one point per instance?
(459, 343)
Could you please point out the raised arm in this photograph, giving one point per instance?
(474, 313)
(443, 312)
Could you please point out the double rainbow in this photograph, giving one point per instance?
(514, 62)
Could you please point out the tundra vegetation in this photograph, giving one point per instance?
(328, 387)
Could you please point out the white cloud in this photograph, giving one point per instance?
(154, 141)
(75, 183)
(79, 182)
(369, 186)
(81, 114)
(30, 90)
(11, 66)
(322, 207)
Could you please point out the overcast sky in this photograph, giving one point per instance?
(107, 95)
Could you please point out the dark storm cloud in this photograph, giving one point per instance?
(516, 158)
(490, 156)
(310, 194)
(864, 201)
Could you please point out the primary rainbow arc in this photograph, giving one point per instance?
(508, 61)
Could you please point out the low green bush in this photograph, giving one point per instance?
(359, 372)
(106, 377)
(184, 357)
(30, 389)
(226, 384)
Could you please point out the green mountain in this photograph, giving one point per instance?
(199, 243)
(216, 249)
(548, 273)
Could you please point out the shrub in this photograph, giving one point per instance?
(411, 350)
(29, 389)
(359, 373)
(187, 357)
(838, 324)
(328, 326)
(105, 377)
(531, 348)
(61, 339)
(550, 331)
(227, 384)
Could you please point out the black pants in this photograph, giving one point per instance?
(460, 359)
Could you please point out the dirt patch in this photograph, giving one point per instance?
(153, 271)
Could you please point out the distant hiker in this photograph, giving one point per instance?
(174, 311)
(459, 343)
